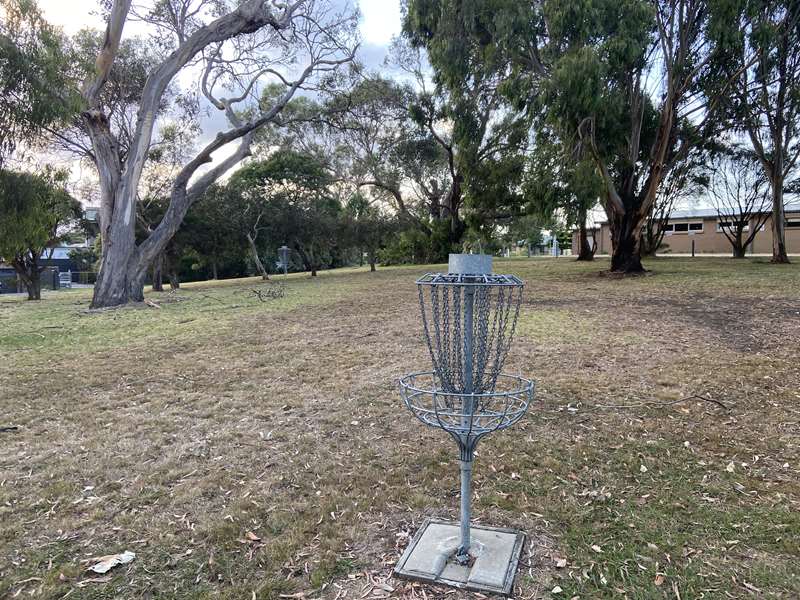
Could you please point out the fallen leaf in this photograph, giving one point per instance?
(557, 590)
(106, 563)
(642, 469)
(659, 580)
(252, 536)
(561, 563)
(597, 548)
(730, 467)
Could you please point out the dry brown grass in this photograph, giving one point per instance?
(174, 432)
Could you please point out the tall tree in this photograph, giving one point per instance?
(34, 76)
(371, 228)
(238, 45)
(623, 77)
(287, 199)
(486, 138)
(562, 180)
(213, 234)
(756, 42)
(739, 190)
(36, 214)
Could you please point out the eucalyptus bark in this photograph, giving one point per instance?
(779, 252)
(585, 250)
(158, 273)
(251, 242)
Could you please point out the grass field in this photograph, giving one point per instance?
(248, 449)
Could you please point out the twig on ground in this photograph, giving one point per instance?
(669, 403)
(212, 298)
(9, 428)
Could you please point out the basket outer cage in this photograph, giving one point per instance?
(466, 417)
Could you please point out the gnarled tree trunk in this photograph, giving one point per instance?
(29, 273)
(626, 238)
(585, 250)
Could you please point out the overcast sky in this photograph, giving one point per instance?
(380, 19)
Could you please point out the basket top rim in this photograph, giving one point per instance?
(477, 279)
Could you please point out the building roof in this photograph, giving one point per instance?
(709, 212)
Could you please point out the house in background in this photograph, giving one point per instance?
(702, 225)
(57, 260)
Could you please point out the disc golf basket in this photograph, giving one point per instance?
(468, 316)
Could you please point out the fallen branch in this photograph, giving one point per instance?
(269, 294)
(669, 403)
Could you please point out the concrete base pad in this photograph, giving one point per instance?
(430, 557)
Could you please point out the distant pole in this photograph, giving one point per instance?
(692, 248)
(283, 251)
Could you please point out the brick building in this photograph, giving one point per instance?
(702, 226)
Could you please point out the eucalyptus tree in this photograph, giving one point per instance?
(739, 191)
(621, 78)
(371, 227)
(36, 214)
(483, 138)
(34, 76)
(379, 147)
(234, 48)
(562, 181)
(756, 44)
(287, 199)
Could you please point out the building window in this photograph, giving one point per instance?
(729, 225)
(695, 227)
(793, 224)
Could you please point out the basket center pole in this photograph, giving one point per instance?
(466, 426)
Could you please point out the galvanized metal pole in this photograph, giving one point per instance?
(468, 408)
(284, 254)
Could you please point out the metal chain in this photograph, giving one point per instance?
(493, 328)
